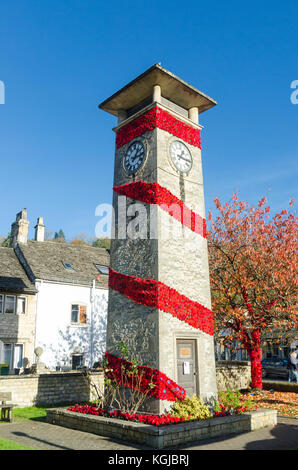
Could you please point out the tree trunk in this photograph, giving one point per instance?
(252, 344)
(254, 351)
(256, 367)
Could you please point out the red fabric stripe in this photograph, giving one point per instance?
(165, 388)
(158, 295)
(153, 193)
(157, 117)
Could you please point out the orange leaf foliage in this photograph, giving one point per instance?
(253, 269)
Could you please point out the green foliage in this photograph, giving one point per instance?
(6, 241)
(59, 236)
(123, 349)
(11, 445)
(102, 243)
(30, 412)
(232, 401)
(191, 407)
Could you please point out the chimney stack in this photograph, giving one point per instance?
(39, 230)
(19, 229)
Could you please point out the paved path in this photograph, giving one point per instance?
(44, 436)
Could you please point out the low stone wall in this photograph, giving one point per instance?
(233, 375)
(165, 436)
(280, 386)
(50, 389)
(72, 387)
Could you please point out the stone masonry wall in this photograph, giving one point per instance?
(233, 375)
(50, 389)
(20, 328)
(71, 387)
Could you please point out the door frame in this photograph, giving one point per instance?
(195, 339)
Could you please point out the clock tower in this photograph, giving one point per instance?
(159, 291)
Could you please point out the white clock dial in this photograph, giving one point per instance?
(181, 156)
(134, 157)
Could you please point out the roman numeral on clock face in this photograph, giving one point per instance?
(134, 157)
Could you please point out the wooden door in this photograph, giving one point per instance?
(187, 365)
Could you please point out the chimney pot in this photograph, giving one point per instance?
(19, 229)
(39, 230)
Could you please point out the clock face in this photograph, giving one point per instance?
(134, 157)
(181, 156)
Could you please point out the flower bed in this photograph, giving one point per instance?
(225, 411)
(156, 420)
(160, 436)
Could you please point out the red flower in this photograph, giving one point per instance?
(153, 193)
(157, 117)
(158, 295)
(164, 388)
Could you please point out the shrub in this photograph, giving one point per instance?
(230, 401)
(191, 407)
(123, 386)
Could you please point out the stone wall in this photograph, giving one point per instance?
(20, 328)
(71, 387)
(50, 389)
(164, 436)
(233, 375)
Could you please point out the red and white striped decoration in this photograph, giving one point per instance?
(150, 292)
(153, 193)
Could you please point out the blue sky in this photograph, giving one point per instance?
(59, 59)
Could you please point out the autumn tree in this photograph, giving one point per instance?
(253, 274)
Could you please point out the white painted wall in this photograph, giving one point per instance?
(55, 333)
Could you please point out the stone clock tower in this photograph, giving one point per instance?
(159, 292)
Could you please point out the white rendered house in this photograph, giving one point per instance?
(71, 300)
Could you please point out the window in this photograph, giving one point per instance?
(78, 314)
(69, 267)
(13, 355)
(10, 304)
(21, 305)
(102, 269)
(7, 354)
(13, 304)
(77, 361)
(18, 356)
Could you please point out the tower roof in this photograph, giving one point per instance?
(173, 88)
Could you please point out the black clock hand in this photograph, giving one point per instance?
(137, 156)
(182, 158)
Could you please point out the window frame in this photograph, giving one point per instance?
(2, 297)
(98, 266)
(25, 306)
(69, 267)
(78, 322)
(14, 305)
(10, 349)
(82, 355)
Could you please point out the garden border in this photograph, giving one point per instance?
(164, 436)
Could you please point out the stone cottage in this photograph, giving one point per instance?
(18, 296)
(69, 289)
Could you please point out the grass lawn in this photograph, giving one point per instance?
(10, 445)
(20, 414)
(30, 412)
